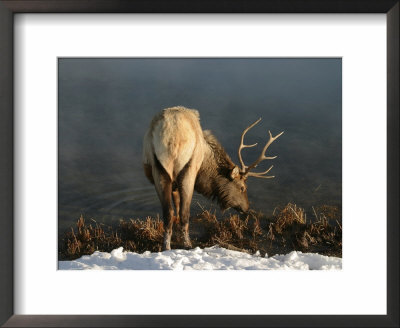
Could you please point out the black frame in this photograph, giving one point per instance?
(7, 10)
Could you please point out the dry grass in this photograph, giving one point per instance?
(86, 239)
(142, 235)
(292, 231)
(289, 217)
(288, 229)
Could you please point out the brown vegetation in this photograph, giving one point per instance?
(288, 229)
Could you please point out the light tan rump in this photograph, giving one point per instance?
(175, 137)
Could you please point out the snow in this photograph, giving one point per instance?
(212, 258)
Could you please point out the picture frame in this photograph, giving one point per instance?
(8, 8)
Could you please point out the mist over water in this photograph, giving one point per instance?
(105, 107)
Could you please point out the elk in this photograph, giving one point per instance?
(179, 157)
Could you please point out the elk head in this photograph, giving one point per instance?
(238, 188)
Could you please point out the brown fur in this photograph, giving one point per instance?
(214, 178)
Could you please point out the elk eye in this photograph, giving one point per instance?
(242, 189)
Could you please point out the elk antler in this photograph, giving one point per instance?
(242, 145)
(246, 169)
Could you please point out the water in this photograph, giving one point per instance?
(105, 106)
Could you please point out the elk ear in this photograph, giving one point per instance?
(235, 173)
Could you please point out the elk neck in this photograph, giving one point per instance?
(215, 169)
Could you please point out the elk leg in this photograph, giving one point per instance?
(176, 199)
(163, 186)
(186, 186)
(148, 172)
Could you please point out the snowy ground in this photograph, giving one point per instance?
(212, 258)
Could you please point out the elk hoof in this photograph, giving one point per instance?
(167, 241)
(187, 244)
(166, 247)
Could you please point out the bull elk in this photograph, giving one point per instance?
(179, 157)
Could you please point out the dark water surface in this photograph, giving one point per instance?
(105, 106)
